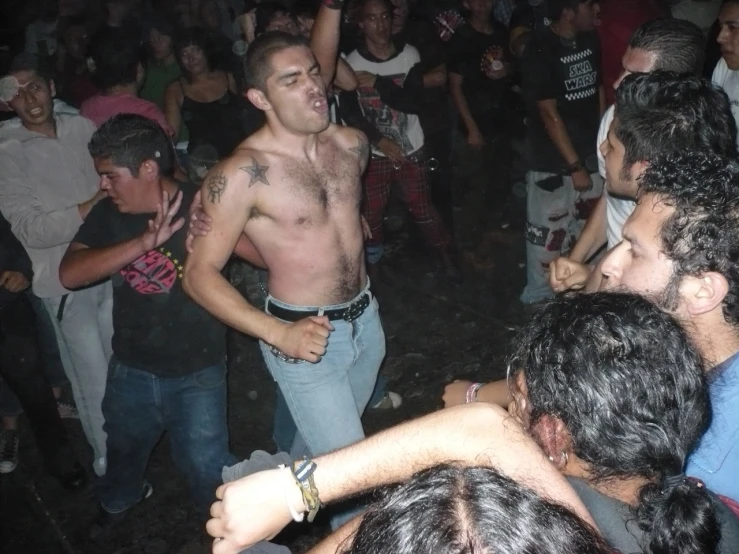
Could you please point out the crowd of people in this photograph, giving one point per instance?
(147, 144)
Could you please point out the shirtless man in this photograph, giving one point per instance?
(293, 189)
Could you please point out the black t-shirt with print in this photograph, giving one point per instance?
(157, 327)
(472, 55)
(568, 72)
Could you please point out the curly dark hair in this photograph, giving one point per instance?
(662, 111)
(464, 510)
(625, 380)
(702, 234)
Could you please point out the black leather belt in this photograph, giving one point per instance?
(349, 313)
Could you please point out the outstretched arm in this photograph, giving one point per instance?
(474, 434)
(324, 38)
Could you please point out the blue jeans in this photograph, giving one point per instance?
(139, 406)
(327, 399)
(284, 429)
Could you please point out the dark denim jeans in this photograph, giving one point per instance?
(139, 406)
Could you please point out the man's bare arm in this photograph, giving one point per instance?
(474, 435)
(345, 79)
(557, 131)
(324, 38)
(228, 202)
(228, 198)
(83, 266)
(593, 235)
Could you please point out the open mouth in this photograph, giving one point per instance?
(320, 105)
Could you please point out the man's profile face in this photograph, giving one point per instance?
(126, 191)
(635, 60)
(586, 15)
(620, 180)
(637, 264)
(728, 37)
(376, 21)
(33, 103)
(400, 15)
(296, 91)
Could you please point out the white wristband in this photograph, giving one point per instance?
(295, 515)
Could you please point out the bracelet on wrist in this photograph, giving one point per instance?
(303, 470)
(297, 517)
(574, 167)
(471, 395)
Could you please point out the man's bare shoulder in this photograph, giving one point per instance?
(351, 140)
(248, 165)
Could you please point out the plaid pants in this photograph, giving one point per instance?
(411, 176)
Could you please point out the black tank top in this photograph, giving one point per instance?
(219, 123)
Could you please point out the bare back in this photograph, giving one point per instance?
(303, 213)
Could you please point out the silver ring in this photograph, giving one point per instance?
(432, 164)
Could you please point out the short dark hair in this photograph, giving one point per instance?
(556, 7)
(193, 36)
(630, 387)
(129, 140)
(703, 233)
(678, 44)
(116, 61)
(31, 62)
(355, 9)
(447, 509)
(257, 66)
(662, 111)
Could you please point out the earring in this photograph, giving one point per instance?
(551, 459)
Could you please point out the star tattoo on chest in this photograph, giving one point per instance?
(216, 185)
(257, 172)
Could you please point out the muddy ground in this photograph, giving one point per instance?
(435, 331)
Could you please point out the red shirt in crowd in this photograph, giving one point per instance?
(101, 107)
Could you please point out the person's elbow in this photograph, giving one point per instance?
(69, 273)
(195, 276)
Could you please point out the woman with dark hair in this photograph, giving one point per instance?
(451, 509)
(611, 390)
(204, 98)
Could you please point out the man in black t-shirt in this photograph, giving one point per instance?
(528, 16)
(479, 73)
(565, 101)
(168, 369)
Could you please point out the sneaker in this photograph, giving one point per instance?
(66, 410)
(9, 444)
(106, 522)
(390, 401)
